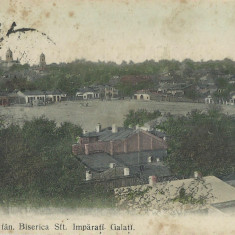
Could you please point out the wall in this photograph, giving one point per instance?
(142, 96)
(137, 142)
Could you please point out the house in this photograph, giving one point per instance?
(41, 96)
(197, 194)
(110, 92)
(7, 99)
(119, 152)
(172, 89)
(209, 100)
(88, 93)
(142, 95)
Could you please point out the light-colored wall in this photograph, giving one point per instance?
(145, 96)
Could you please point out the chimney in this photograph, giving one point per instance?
(112, 165)
(86, 149)
(114, 128)
(150, 159)
(126, 171)
(98, 127)
(88, 175)
(84, 131)
(197, 175)
(111, 148)
(152, 180)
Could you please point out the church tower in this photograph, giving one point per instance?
(42, 62)
(9, 56)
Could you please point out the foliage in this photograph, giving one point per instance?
(201, 142)
(224, 89)
(37, 166)
(185, 198)
(72, 76)
(140, 117)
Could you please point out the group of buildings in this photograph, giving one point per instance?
(118, 156)
(97, 92)
(31, 98)
(130, 162)
(9, 60)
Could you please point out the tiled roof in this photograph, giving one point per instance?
(100, 162)
(107, 135)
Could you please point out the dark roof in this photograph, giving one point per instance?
(2, 93)
(158, 169)
(7, 94)
(227, 207)
(158, 133)
(37, 92)
(229, 177)
(100, 162)
(90, 89)
(107, 135)
(138, 158)
(110, 173)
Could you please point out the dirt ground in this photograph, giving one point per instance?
(104, 112)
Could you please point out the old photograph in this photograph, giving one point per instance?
(117, 117)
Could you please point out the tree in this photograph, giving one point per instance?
(201, 142)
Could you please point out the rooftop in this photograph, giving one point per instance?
(164, 196)
(38, 92)
(107, 134)
(137, 162)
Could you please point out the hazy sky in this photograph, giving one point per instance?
(116, 30)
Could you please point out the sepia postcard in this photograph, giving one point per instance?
(117, 117)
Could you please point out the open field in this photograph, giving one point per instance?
(104, 112)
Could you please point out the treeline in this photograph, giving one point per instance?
(202, 142)
(72, 76)
(38, 169)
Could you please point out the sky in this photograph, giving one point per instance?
(117, 30)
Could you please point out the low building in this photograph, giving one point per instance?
(209, 100)
(7, 99)
(142, 95)
(42, 96)
(4, 99)
(175, 89)
(110, 92)
(87, 93)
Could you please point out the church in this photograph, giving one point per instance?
(9, 60)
